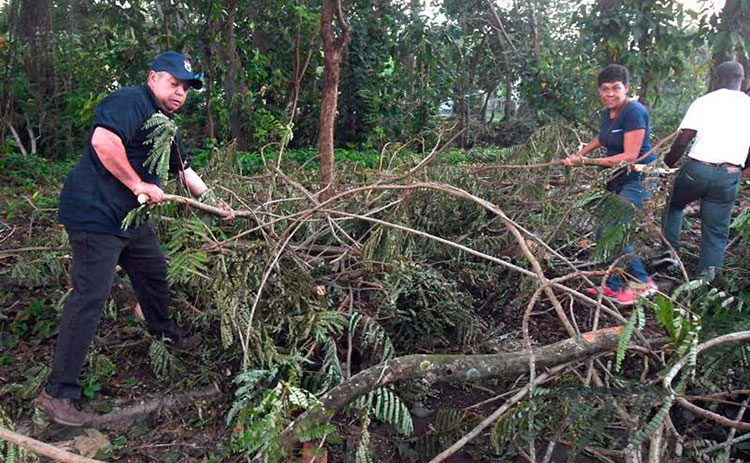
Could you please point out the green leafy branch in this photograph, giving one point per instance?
(160, 139)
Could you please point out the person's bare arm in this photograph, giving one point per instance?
(577, 159)
(196, 186)
(111, 152)
(632, 142)
(194, 183)
(679, 145)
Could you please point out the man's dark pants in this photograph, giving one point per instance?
(716, 187)
(95, 258)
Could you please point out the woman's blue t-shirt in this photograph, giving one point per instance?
(634, 117)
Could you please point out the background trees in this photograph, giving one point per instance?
(417, 252)
(489, 66)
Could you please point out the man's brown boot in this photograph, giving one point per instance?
(61, 411)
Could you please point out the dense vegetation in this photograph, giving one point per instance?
(428, 245)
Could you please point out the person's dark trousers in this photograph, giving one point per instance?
(95, 258)
(717, 188)
(633, 193)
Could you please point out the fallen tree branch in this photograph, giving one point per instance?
(42, 448)
(194, 203)
(461, 368)
(117, 418)
(609, 311)
(740, 336)
(458, 445)
(143, 410)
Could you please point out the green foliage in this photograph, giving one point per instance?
(161, 137)
(11, 453)
(741, 224)
(136, 217)
(387, 407)
(651, 38)
(450, 424)
(35, 377)
(637, 321)
(373, 338)
(186, 260)
(164, 363)
(261, 413)
(654, 423)
(428, 307)
(506, 429)
(365, 453)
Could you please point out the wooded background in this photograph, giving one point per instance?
(499, 69)
(409, 253)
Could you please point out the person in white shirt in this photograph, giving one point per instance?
(718, 121)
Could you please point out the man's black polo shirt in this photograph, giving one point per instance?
(92, 198)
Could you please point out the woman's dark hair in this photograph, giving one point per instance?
(613, 73)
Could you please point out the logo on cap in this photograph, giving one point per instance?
(188, 67)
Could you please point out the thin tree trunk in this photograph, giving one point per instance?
(508, 97)
(234, 80)
(506, 45)
(35, 29)
(732, 19)
(535, 33)
(332, 49)
(209, 37)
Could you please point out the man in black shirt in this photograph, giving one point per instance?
(96, 197)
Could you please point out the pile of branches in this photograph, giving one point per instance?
(481, 270)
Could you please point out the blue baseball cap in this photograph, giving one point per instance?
(179, 66)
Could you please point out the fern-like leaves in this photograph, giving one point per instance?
(372, 335)
(164, 363)
(160, 139)
(388, 408)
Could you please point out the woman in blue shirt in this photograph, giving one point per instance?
(624, 133)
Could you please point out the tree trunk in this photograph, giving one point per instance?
(733, 19)
(7, 102)
(503, 39)
(163, 16)
(535, 33)
(234, 79)
(35, 31)
(209, 39)
(508, 97)
(332, 50)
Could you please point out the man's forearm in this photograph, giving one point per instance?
(678, 147)
(111, 153)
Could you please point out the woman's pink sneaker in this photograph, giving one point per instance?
(627, 296)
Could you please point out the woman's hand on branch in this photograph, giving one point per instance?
(575, 160)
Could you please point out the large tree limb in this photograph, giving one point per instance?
(143, 410)
(460, 368)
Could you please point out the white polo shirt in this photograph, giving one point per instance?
(722, 121)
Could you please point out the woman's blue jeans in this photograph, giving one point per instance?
(634, 192)
(716, 187)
